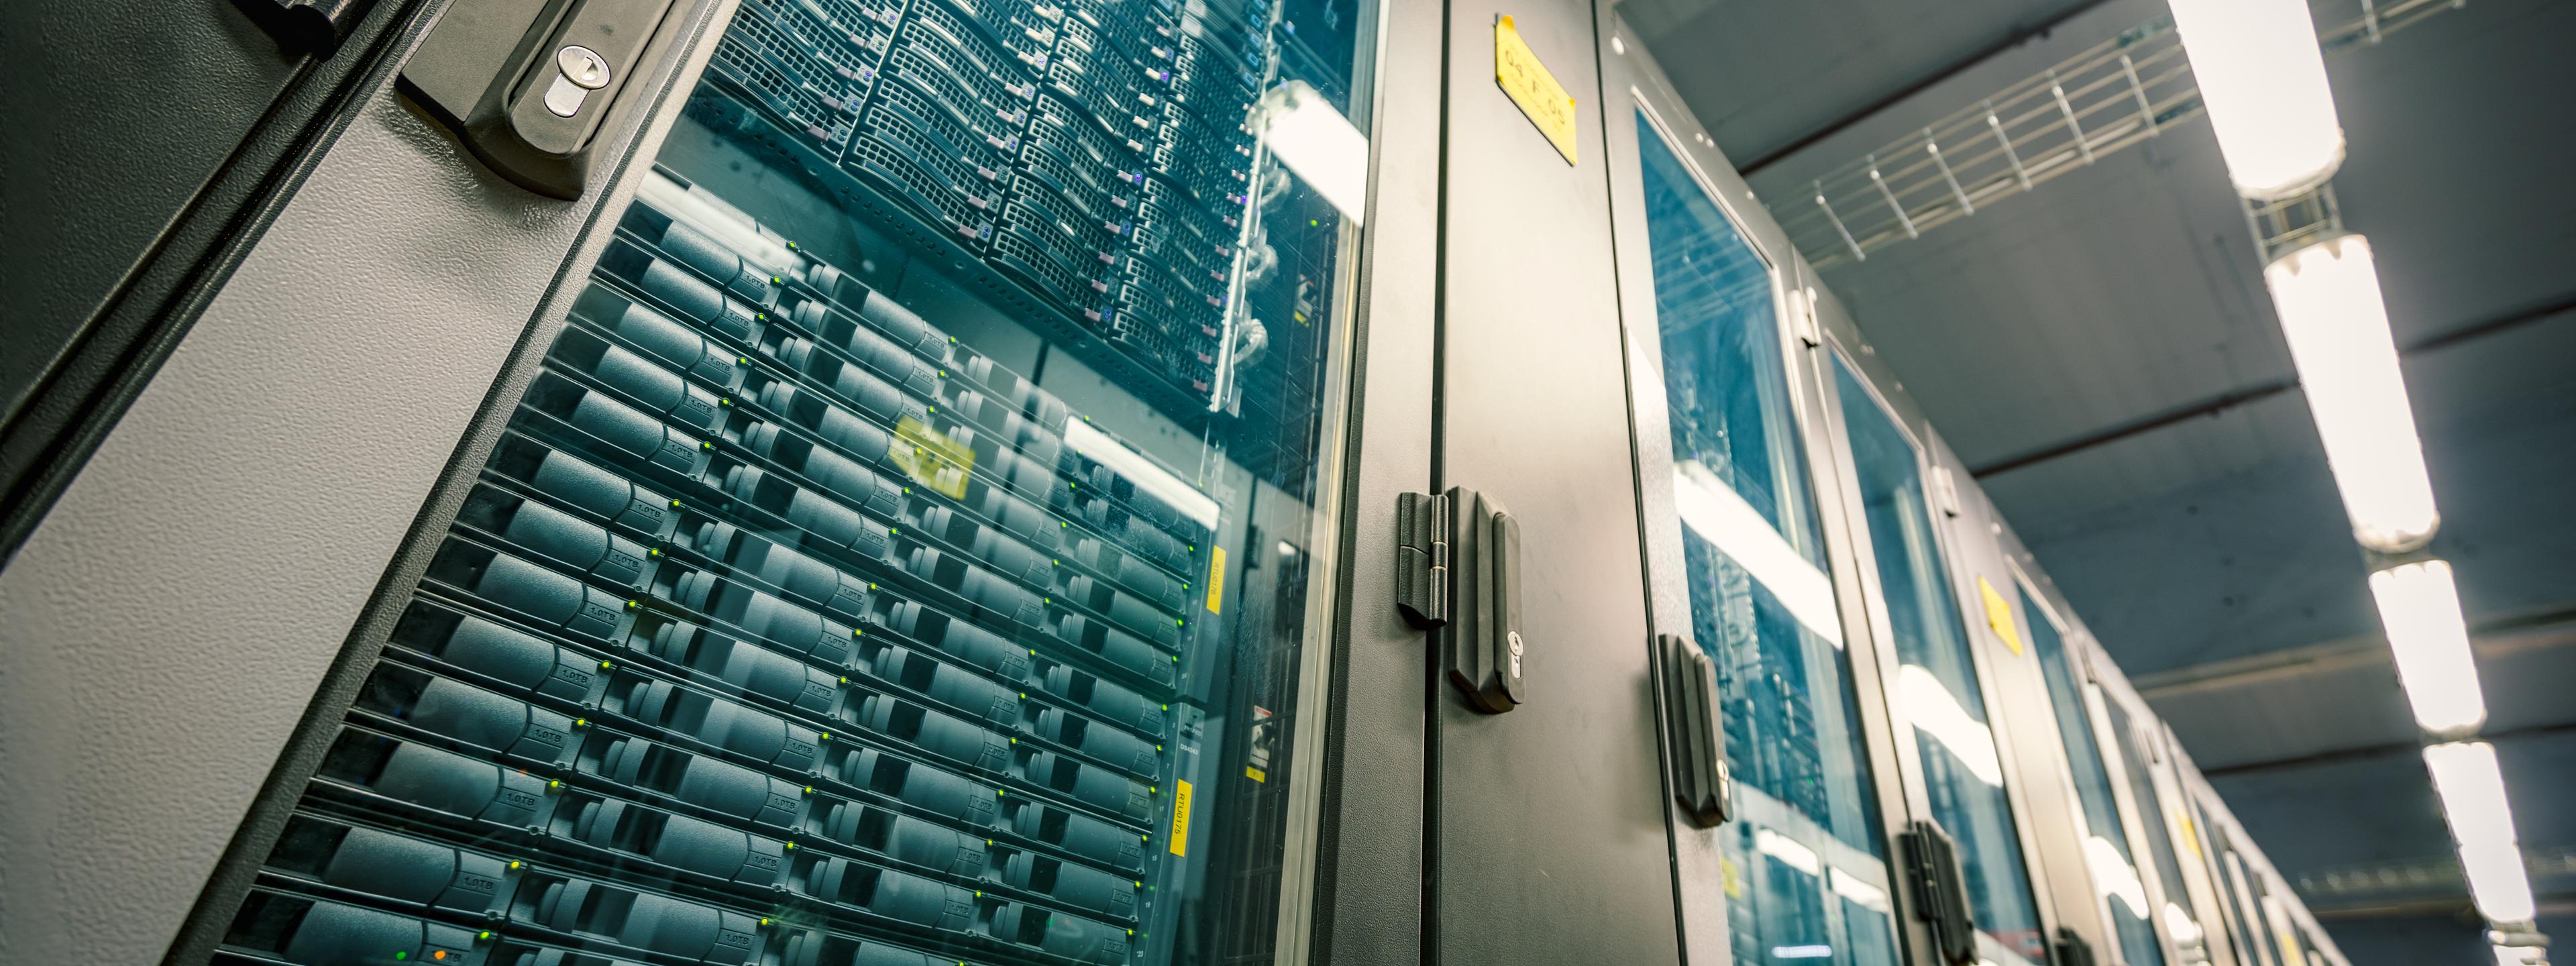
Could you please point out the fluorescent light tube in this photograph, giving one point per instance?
(2263, 79)
(2472, 789)
(1712, 510)
(2419, 605)
(2328, 298)
(1931, 709)
(1318, 143)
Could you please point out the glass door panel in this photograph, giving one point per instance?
(1805, 865)
(1935, 685)
(2180, 923)
(908, 551)
(2106, 840)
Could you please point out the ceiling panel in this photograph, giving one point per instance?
(1763, 73)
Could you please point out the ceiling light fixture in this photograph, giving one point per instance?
(2472, 790)
(2263, 78)
(2327, 295)
(2419, 606)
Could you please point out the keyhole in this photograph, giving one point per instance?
(582, 66)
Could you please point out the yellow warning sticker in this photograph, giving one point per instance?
(1256, 774)
(1216, 580)
(2190, 833)
(1180, 818)
(1999, 616)
(1542, 99)
(931, 458)
(1730, 878)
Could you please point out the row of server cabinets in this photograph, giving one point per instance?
(931, 500)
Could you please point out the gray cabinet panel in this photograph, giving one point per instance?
(1550, 828)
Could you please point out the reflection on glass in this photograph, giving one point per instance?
(2250, 928)
(2179, 923)
(1936, 680)
(1806, 875)
(898, 556)
(2106, 843)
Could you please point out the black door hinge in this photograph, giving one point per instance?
(1422, 535)
(1458, 571)
(1940, 890)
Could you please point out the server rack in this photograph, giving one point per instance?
(735, 631)
(895, 539)
(2137, 901)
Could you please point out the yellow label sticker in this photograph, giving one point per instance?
(1730, 878)
(1256, 774)
(1999, 616)
(1180, 818)
(1216, 580)
(1542, 99)
(2190, 833)
(931, 458)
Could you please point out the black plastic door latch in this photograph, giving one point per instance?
(1940, 890)
(2071, 950)
(315, 27)
(1701, 784)
(1457, 564)
(526, 84)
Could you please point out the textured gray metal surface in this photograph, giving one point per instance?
(1549, 824)
(163, 630)
(117, 112)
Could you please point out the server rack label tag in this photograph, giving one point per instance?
(1216, 579)
(1999, 616)
(931, 458)
(1542, 99)
(1180, 818)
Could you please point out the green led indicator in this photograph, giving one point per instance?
(402, 955)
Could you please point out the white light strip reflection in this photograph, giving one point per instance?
(728, 228)
(2114, 876)
(1861, 894)
(1096, 446)
(1801, 952)
(1316, 141)
(1787, 850)
(1711, 509)
(1933, 711)
(2179, 925)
